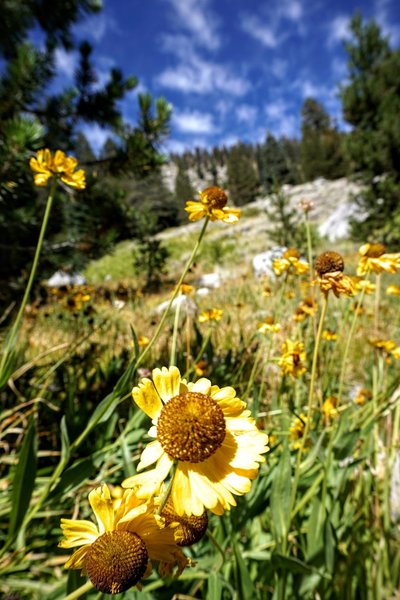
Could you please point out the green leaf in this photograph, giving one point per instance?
(73, 476)
(330, 546)
(135, 343)
(244, 584)
(23, 480)
(293, 565)
(65, 450)
(280, 496)
(126, 457)
(315, 527)
(214, 588)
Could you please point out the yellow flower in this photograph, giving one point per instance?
(188, 529)
(293, 357)
(45, 166)
(329, 410)
(296, 431)
(396, 352)
(329, 267)
(364, 284)
(200, 368)
(393, 290)
(269, 326)
(212, 314)
(203, 432)
(362, 395)
(374, 258)
(385, 345)
(143, 340)
(290, 262)
(186, 289)
(115, 553)
(212, 204)
(308, 307)
(329, 335)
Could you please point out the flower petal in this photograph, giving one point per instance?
(102, 506)
(167, 382)
(150, 455)
(147, 399)
(77, 560)
(78, 533)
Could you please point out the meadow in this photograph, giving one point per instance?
(307, 503)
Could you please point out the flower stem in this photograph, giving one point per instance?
(310, 401)
(174, 295)
(86, 587)
(310, 262)
(167, 494)
(13, 334)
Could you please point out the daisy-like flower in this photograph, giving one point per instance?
(384, 345)
(393, 290)
(117, 552)
(361, 395)
(329, 335)
(307, 308)
(212, 204)
(292, 359)
(206, 434)
(143, 340)
(290, 262)
(396, 352)
(364, 285)
(212, 314)
(374, 258)
(296, 431)
(45, 166)
(188, 529)
(269, 326)
(329, 267)
(329, 409)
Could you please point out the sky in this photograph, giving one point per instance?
(231, 69)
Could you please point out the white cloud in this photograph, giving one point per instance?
(96, 136)
(338, 30)
(246, 113)
(280, 120)
(388, 25)
(194, 122)
(279, 68)
(198, 75)
(265, 34)
(95, 27)
(292, 9)
(195, 17)
(66, 62)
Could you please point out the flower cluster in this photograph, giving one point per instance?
(290, 262)
(373, 257)
(293, 357)
(45, 166)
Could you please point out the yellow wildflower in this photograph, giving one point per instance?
(364, 284)
(212, 204)
(186, 289)
(296, 431)
(203, 432)
(212, 314)
(374, 258)
(290, 262)
(143, 340)
(269, 326)
(292, 359)
(45, 166)
(384, 345)
(393, 290)
(329, 410)
(329, 335)
(362, 395)
(396, 352)
(329, 267)
(116, 553)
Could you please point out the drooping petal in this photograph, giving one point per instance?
(167, 382)
(150, 455)
(102, 505)
(77, 560)
(78, 533)
(201, 386)
(147, 399)
(150, 481)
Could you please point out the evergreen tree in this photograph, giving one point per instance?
(183, 188)
(33, 116)
(371, 104)
(243, 181)
(321, 144)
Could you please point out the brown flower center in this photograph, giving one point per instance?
(329, 262)
(116, 561)
(191, 528)
(214, 197)
(375, 250)
(191, 427)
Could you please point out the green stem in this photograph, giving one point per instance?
(167, 494)
(310, 262)
(310, 400)
(12, 336)
(174, 295)
(86, 587)
(377, 302)
(347, 347)
(172, 360)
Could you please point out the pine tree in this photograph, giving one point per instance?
(243, 181)
(371, 104)
(321, 144)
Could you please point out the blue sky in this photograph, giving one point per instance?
(231, 69)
